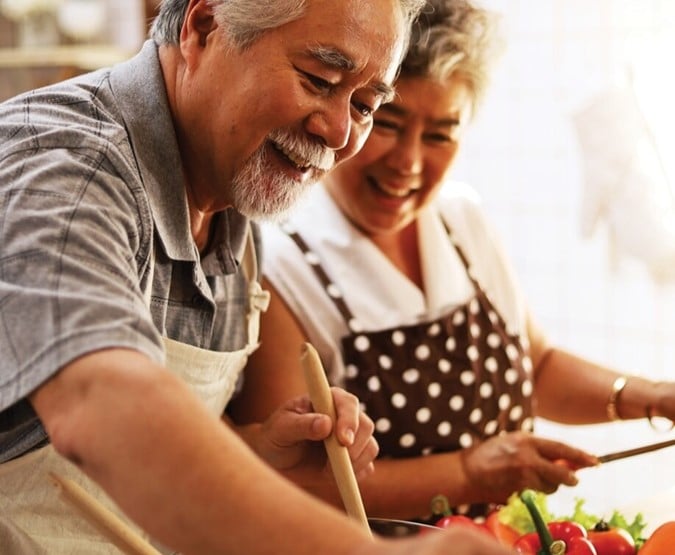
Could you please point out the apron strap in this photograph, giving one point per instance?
(329, 286)
(258, 298)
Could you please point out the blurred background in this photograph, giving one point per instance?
(42, 41)
(573, 153)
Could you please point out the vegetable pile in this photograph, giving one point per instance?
(526, 524)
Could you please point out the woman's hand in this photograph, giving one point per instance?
(518, 460)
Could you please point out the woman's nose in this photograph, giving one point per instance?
(407, 156)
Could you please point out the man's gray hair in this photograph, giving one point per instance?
(245, 20)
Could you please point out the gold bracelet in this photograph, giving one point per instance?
(617, 387)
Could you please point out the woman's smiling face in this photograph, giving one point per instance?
(401, 168)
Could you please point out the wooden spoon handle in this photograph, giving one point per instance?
(322, 400)
(107, 522)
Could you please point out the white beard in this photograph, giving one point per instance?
(261, 192)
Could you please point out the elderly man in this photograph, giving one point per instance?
(126, 250)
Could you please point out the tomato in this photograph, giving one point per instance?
(661, 541)
(461, 520)
(503, 532)
(611, 541)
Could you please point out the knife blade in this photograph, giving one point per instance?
(636, 451)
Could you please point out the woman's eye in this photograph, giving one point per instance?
(439, 138)
(386, 124)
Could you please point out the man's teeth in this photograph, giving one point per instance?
(297, 161)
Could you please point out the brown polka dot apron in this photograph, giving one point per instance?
(437, 386)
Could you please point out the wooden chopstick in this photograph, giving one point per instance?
(105, 521)
(636, 451)
(322, 400)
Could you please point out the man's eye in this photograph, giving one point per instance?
(318, 83)
(363, 109)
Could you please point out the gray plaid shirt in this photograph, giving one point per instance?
(91, 194)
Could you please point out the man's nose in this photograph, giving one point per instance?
(332, 125)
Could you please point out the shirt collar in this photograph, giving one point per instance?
(153, 139)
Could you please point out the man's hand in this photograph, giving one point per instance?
(288, 438)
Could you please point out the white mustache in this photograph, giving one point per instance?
(302, 152)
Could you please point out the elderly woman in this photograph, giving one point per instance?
(394, 274)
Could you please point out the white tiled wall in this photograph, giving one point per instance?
(523, 157)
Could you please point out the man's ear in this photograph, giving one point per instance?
(197, 25)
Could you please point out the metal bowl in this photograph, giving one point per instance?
(398, 528)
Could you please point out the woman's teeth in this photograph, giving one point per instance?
(393, 192)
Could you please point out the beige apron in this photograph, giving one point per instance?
(33, 517)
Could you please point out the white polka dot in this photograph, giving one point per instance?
(427, 451)
(383, 425)
(476, 416)
(355, 325)
(516, 413)
(399, 400)
(526, 388)
(493, 340)
(363, 407)
(333, 291)
(456, 402)
(504, 401)
(434, 390)
(398, 338)
(385, 362)
(351, 371)
(312, 258)
(434, 329)
(450, 344)
(486, 390)
(527, 425)
(422, 352)
(444, 429)
(511, 352)
(491, 364)
(467, 377)
(492, 315)
(444, 365)
(411, 375)
(362, 343)
(465, 440)
(374, 383)
(511, 376)
(474, 306)
(474, 330)
(423, 415)
(458, 318)
(472, 353)
(491, 427)
(407, 440)
(527, 363)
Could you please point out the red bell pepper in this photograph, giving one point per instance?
(556, 538)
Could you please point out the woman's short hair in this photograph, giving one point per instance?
(453, 36)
